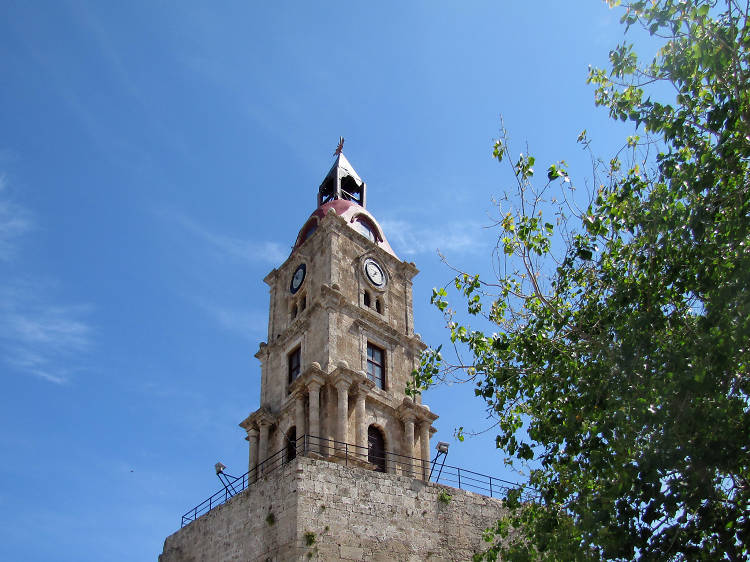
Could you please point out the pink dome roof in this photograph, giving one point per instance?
(355, 216)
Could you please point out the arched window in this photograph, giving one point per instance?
(376, 448)
(291, 444)
(366, 228)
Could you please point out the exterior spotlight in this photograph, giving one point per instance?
(227, 480)
(442, 451)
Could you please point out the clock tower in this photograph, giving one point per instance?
(341, 344)
(339, 463)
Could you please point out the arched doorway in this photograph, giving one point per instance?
(291, 444)
(376, 448)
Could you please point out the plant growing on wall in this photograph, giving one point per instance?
(444, 497)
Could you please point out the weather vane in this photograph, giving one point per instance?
(340, 147)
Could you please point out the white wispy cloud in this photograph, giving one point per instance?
(249, 251)
(248, 325)
(14, 222)
(38, 336)
(408, 238)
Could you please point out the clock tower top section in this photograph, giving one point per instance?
(342, 182)
(344, 193)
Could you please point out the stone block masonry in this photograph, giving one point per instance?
(318, 510)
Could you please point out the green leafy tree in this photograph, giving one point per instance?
(619, 369)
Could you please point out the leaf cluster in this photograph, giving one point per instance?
(620, 364)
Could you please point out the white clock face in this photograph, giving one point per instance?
(374, 273)
(297, 278)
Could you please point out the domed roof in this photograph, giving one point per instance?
(356, 216)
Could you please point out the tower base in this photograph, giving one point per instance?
(317, 510)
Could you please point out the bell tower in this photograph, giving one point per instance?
(341, 344)
(339, 465)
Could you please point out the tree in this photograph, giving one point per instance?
(619, 370)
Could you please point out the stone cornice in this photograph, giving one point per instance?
(364, 385)
(300, 324)
(300, 254)
(408, 269)
(376, 325)
(331, 296)
(411, 410)
(313, 373)
(333, 299)
(342, 374)
(257, 418)
(270, 279)
(415, 341)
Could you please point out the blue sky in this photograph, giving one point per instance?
(156, 162)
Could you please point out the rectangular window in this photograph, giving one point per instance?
(293, 361)
(376, 365)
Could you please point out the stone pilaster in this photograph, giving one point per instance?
(252, 438)
(424, 445)
(263, 442)
(342, 412)
(299, 414)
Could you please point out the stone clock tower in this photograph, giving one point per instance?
(339, 456)
(341, 343)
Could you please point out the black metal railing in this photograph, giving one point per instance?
(347, 453)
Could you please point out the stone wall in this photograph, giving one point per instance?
(257, 524)
(325, 511)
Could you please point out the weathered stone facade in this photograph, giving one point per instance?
(341, 348)
(326, 309)
(317, 510)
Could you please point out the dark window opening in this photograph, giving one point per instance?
(367, 299)
(294, 311)
(294, 365)
(376, 448)
(376, 365)
(351, 190)
(327, 190)
(291, 444)
(309, 230)
(378, 306)
(303, 303)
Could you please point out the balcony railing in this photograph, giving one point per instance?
(349, 454)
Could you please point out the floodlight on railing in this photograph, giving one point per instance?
(442, 451)
(227, 480)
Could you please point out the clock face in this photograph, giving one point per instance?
(297, 278)
(374, 272)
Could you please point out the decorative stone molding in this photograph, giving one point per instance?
(257, 418)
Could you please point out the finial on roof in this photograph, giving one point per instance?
(340, 147)
(342, 182)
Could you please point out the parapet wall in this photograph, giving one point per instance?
(318, 510)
